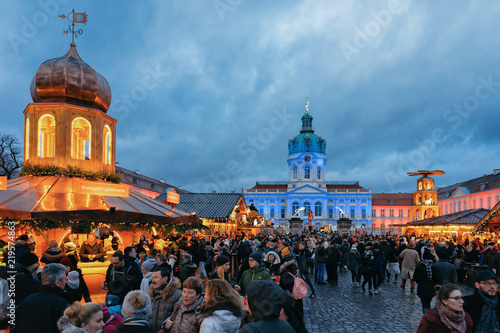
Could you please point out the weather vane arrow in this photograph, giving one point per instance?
(74, 17)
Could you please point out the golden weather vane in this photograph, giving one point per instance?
(74, 17)
(307, 105)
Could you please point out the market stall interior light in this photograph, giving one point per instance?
(46, 136)
(80, 138)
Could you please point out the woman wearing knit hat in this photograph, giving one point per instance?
(136, 310)
(87, 318)
(221, 271)
(255, 272)
(82, 286)
(147, 274)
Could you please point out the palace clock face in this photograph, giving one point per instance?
(307, 158)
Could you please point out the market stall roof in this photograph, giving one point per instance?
(208, 205)
(55, 198)
(466, 217)
(490, 221)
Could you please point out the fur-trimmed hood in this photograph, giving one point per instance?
(286, 265)
(277, 259)
(168, 290)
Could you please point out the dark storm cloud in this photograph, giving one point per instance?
(196, 85)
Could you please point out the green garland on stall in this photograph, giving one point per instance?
(70, 171)
(40, 226)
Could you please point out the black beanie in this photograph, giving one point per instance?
(221, 260)
(28, 259)
(257, 257)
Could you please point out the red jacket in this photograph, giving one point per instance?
(431, 323)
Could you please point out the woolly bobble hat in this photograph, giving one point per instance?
(73, 275)
(221, 260)
(257, 257)
(105, 313)
(137, 305)
(149, 264)
(28, 259)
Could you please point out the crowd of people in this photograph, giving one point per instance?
(183, 283)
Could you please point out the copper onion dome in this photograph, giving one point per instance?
(68, 79)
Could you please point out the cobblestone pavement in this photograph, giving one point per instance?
(344, 308)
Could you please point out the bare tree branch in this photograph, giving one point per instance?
(10, 154)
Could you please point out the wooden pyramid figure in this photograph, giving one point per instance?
(425, 203)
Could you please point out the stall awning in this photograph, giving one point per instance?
(54, 197)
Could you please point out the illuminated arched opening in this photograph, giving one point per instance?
(80, 139)
(107, 145)
(27, 137)
(46, 136)
(307, 208)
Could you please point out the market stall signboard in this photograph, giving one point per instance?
(97, 188)
(3, 183)
(173, 197)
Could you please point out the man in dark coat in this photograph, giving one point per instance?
(121, 276)
(92, 250)
(485, 295)
(446, 272)
(26, 284)
(265, 318)
(40, 311)
(332, 258)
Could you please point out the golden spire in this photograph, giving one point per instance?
(307, 105)
(74, 17)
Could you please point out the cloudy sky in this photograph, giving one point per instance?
(207, 93)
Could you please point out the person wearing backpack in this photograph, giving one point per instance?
(289, 282)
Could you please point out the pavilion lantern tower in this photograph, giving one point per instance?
(425, 204)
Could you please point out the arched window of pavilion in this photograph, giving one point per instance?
(294, 171)
(27, 137)
(107, 145)
(319, 173)
(80, 139)
(46, 136)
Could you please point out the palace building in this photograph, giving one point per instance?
(307, 192)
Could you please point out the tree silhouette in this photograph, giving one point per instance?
(10, 154)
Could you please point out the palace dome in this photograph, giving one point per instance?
(307, 141)
(68, 79)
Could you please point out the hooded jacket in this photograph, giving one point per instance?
(251, 274)
(162, 302)
(221, 321)
(274, 267)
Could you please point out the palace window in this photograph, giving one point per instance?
(307, 172)
(283, 212)
(294, 170)
(363, 200)
(319, 173)
(46, 136)
(272, 212)
(330, 213)
(307, 208)
(391, 212)
(261, 210)
(282, 200)
(272, 200)
(295, 207)
(107, 145)
(80, 139)
(318, 208)
(363, 213)
(374, 213)
(353, 200)
(400, 213)
(382, 213)
(330, 201)
(353, 211)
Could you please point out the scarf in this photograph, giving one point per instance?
(146, 281)
(428, 265)
(455, 321)
(488, 322)
(73, 284)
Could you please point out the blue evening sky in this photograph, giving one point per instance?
(207, 93)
